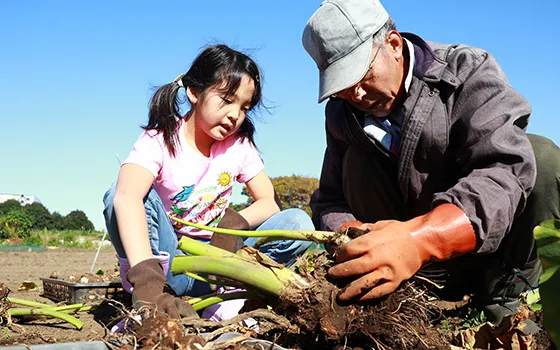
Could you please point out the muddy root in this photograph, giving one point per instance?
(400, 320)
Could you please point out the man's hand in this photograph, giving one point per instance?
(383, 257)
(393, 251)
(150, 287)
(354, 223)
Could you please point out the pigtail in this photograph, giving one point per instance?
(163, 114)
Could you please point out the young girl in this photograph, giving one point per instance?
(184, 166)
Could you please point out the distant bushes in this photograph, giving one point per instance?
(55, 238)
(17, 221)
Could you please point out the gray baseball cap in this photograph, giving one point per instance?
(338, 36)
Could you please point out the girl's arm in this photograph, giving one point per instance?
(265, 205)
(133, 184)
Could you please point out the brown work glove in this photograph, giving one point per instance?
(393, 251)
(232, 220)
(150, 287)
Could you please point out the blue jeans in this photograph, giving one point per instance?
(164, 239)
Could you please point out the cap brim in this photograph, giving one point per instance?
(345, 72)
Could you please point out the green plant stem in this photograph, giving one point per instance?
(269, 279)
(215, 299)
(29, 303)
(263, 240)
(305, 235)
(64, 308)
(46, 312)
(70, 308)
(220, 281)
(198, 299)
(194, 247)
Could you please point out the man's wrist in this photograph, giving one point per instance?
(443, 233)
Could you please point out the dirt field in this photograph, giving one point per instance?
(16, 267)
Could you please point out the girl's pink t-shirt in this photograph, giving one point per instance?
(191, 186)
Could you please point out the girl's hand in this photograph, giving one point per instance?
(261, 190)
(232, 220)
(150, 288)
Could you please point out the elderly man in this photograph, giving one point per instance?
(426, 149)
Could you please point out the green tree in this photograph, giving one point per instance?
(41, 215)
(77, 220)
(16, 224)
(293, 191)
(57, 221)
(238, 207)
(8, 206)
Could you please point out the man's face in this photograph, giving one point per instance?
(380, 89)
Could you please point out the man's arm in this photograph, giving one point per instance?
(496, 159)
(330, 209)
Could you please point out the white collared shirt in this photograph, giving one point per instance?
(386, 129)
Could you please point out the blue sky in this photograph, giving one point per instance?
(76, 77)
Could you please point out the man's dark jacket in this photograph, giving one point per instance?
(463, 142)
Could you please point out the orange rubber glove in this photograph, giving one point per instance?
(393, 251)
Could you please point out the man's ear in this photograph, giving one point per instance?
(395, 42)
(192, 95)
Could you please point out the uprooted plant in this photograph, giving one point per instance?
(33, 309)
(306, 297)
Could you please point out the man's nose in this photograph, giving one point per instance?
(357, 93)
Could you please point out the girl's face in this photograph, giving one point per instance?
(220, 116)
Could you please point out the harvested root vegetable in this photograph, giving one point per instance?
(4, 304)
(308, 299)
(7, 311)
(399, 321)
(161, 332)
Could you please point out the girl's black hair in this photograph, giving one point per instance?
(211, 68)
